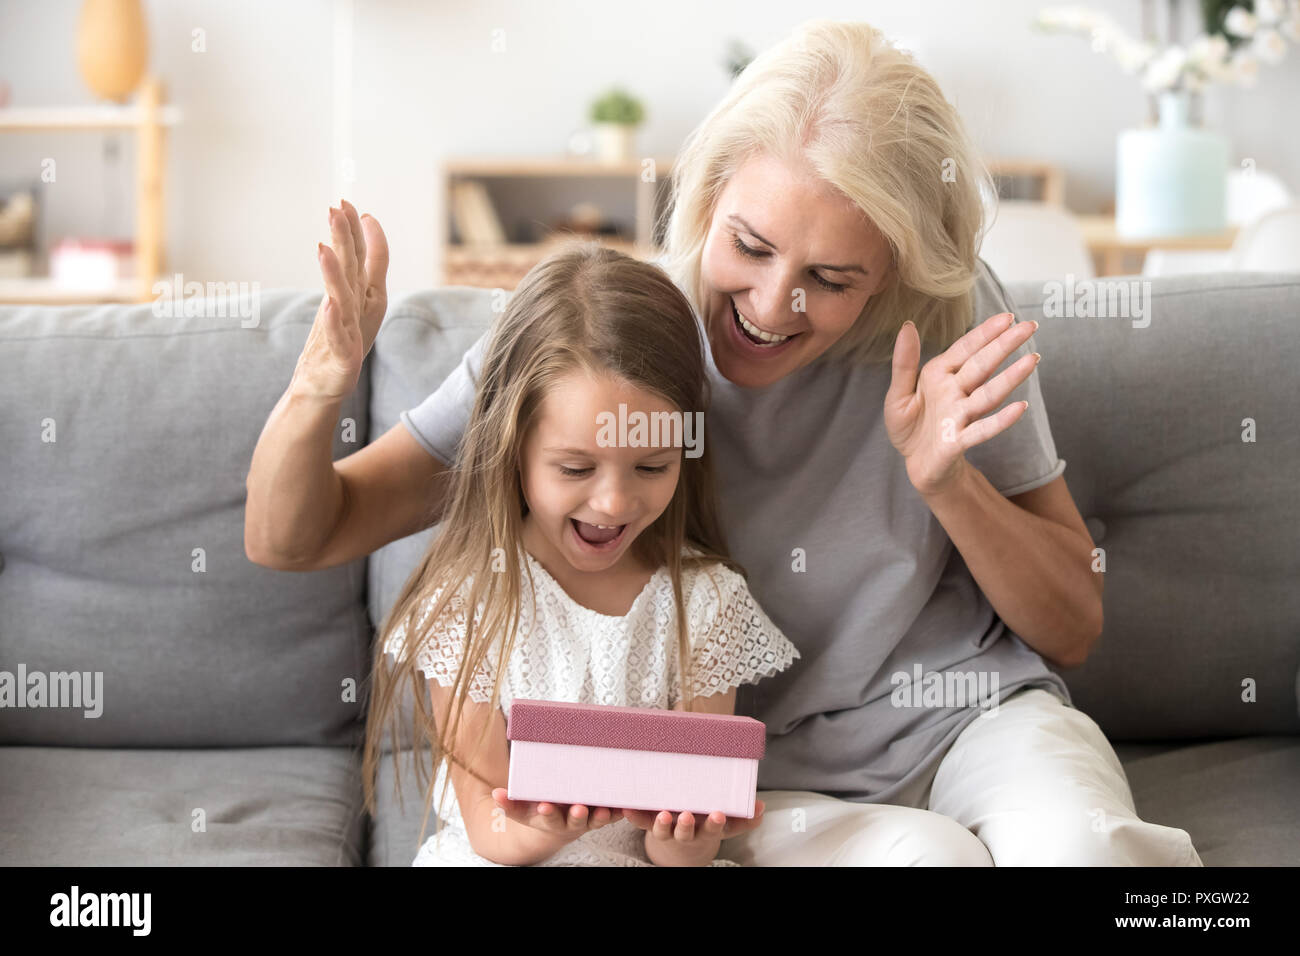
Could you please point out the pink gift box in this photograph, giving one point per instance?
(634, 758)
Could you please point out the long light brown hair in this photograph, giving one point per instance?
(584, 308)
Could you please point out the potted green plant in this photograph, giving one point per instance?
(616, 116)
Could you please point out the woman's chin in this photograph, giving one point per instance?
(747, 373)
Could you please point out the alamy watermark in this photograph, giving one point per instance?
(946, 689)
(1098, 298)
(653, 430)
(129, 910)
(37, 689)
(176, 298)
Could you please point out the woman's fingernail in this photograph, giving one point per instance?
(320, 249)
(1035, 326)
(1037, 358)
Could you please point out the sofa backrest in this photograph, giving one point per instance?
(127, 438)
(424, 337)
(1179, 431)
(1200, 530)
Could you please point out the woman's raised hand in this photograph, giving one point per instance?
(933, 418)
(354, 267)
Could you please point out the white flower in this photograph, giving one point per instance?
(1133, 56)
(1240, 22)
(1209, 56)
(1269, 46)
(1245, 69)
(1206, 59)
(1270, 11)
(1163, 72)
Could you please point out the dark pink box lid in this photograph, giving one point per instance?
(636, 728)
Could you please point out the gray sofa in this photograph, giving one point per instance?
(229, 724)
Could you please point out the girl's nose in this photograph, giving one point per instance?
(611, 500)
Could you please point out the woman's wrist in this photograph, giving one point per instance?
(303, 391)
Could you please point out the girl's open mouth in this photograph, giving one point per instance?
(596, 539)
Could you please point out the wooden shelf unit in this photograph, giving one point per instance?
(502, 265)
(1045, 180)
(149, 117)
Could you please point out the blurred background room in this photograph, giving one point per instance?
(144, 139)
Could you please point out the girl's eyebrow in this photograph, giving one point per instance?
(587, 453)
(767, 242)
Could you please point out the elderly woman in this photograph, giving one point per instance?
(910, 532)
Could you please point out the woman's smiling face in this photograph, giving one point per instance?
(813, 262)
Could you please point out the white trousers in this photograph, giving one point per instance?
(1036, 784)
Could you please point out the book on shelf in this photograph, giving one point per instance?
(474, 215)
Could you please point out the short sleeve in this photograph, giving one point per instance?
(733, 641)
(439, 421)
(1022, 457)
(439, 655)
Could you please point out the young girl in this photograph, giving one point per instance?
(594, 562)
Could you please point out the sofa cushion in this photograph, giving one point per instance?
(1235, 798)
(272, 806)
(123, 537)
(1198, 526)
(394, 836)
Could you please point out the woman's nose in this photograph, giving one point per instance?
(772, 303)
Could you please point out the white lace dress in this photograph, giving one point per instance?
(565, 651)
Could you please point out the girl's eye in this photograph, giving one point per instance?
(745, 250)
(654, 470)
(573, 471)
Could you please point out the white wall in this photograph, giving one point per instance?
(253, 169)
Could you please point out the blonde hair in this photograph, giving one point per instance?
(840, 98)
(584, 308)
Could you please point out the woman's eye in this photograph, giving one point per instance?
(575, 472)
(830, 286)
(745, 250)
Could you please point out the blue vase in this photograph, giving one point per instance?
(1171, 179)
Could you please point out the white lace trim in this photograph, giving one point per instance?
(565, 651)
(440, 654)
(733, 640)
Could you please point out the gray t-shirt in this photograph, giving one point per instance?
(847, 559)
